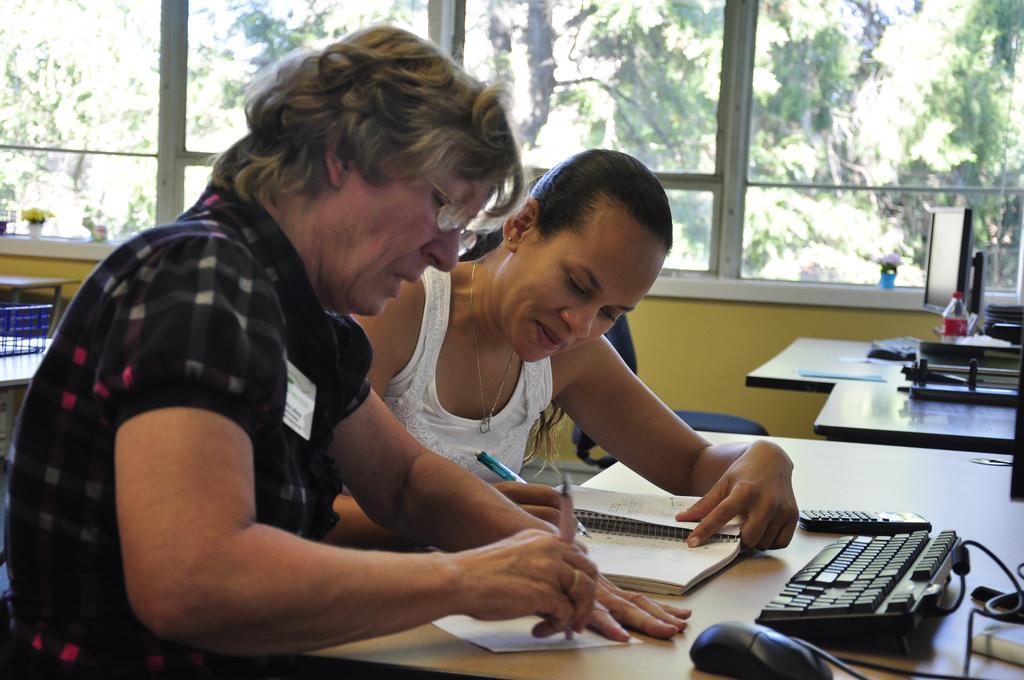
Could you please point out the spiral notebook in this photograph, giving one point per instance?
(637, 543)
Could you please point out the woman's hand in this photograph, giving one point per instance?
(616, 608)
(757, 487)
(531, 572)
(541, 501)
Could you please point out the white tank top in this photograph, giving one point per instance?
(412, 396)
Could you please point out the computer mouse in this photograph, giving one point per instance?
(746, 650)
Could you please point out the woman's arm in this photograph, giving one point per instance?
(421, 495)
(602, 396)
(393, 334)
(356, 530)
(414, 492)
(200, 570)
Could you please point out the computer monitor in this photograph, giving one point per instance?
(977, 294)
(950, 244)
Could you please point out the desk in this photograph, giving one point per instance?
(875, 413)
(15, 372)
(16, 284)
(818, 354)
(827, 475)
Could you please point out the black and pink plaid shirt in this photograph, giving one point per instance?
(201, 313)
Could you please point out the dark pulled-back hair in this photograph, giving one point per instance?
(383, 99)
(569, 193)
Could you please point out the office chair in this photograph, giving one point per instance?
(622, 341)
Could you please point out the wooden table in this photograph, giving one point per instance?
(949, 490)
(16, 284)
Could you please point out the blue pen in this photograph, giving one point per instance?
(503, 471)
(499, 468)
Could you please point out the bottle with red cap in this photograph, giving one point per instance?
(954, 318)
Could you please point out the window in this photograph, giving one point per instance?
(78, 136)
(796, 139)
(229, 41)
(642, 77)
(863, 115)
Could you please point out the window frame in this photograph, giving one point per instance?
(728, 184)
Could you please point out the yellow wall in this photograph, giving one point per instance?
(694, 354)
(18, 265)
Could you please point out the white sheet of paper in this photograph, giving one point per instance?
(514, 635)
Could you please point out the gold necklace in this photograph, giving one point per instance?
(485, 422)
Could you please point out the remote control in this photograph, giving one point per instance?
(862, 523)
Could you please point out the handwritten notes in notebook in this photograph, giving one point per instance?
(637, 543)
(647, 508)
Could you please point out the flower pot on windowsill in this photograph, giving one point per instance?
(35, 229)
(887, 280)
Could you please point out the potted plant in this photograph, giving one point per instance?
(36, 218)
(95, 224)
(888, 265)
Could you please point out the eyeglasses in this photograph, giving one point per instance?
(449, 218)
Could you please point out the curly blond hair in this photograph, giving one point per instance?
(382, 99)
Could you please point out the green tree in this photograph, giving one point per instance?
(878, 94)
(80, 75)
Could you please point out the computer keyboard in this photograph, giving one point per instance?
(903, 348)
(864, 585)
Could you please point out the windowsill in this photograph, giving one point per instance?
(56, 248)
(692, 286)
(709, 287)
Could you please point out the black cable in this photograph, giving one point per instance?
(970, 635)
(902, 671)
(990, 604)
(989, 611)
(818, 651)
(845, 662)
(959, 599)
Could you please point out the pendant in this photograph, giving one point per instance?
(485, 424)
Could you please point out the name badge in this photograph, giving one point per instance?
(299, 402)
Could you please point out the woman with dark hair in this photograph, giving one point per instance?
(471, 360)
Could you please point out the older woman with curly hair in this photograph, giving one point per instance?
(177, 454)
